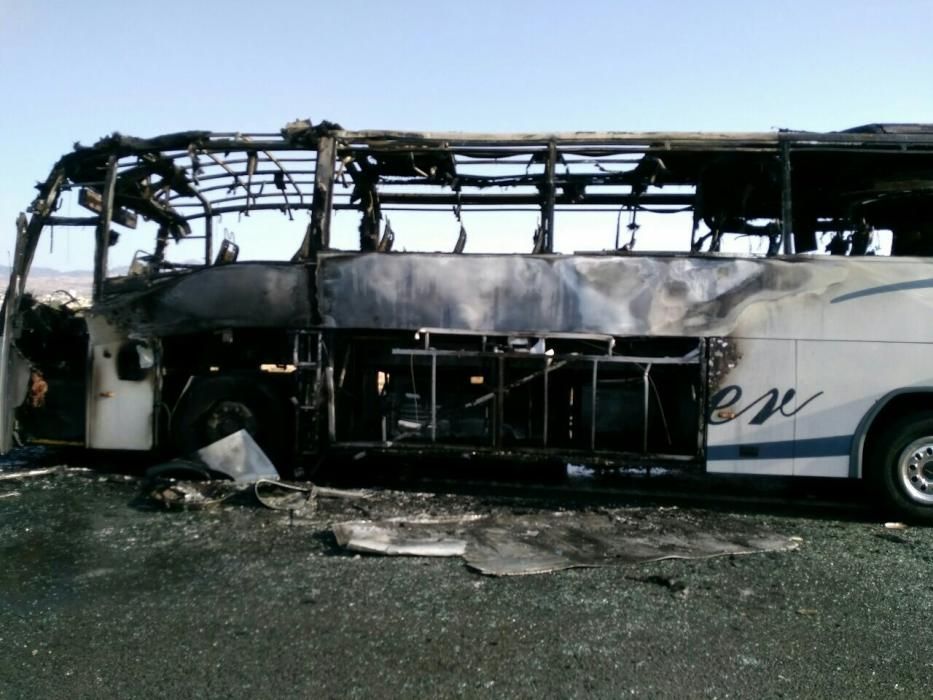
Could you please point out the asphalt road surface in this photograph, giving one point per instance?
(106, 594)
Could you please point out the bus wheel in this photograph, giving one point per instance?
(902, 467)
(214, 407)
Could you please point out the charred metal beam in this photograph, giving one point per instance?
(10, 303)
(91, 200)
(786, 204)
(593, 403)
(41, 208)
(646, 379)
(570, 183)
(526, 453)
(230, 174)
(626, 199)
(679, 139)
(284, 174)
(560, 361)
(545, 400)
(499, 411)
(72, 221)
(322, 203)
(233, 209)
(208, 227)
(103, 227)
(550, 191)
(433, 398)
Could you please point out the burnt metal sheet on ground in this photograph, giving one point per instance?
(657, 295)
(509, 545)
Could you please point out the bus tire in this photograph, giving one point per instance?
(901, 467)
(214, 407)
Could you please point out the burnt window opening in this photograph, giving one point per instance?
(171, 202)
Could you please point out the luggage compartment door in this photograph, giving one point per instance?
(121, 395)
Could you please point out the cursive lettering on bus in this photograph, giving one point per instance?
(769, 403)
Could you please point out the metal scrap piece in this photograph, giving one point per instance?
(194, 494)
(400, 538)
(239, 457)
(279, 495)
(512, 545)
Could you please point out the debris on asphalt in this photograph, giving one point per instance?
(277, 495)
(498, 540)
(895, 526)
(511, 544)
(422, 537)
(424, 541)
(281, 495)
(45, 471)
(202, 492)
(193, 494)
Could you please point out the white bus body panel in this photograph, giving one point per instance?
(748, 429)
(853, 377)
(855, 341)
(120, 412)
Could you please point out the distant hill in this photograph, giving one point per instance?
(44, 280)
(49, 272)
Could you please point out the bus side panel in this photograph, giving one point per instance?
(751, 407)
(845, 380)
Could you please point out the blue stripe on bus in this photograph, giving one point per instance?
(885, 289)
(835, 446)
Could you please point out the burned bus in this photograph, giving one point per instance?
(748, 303)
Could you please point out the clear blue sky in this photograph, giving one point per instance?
(74, 71)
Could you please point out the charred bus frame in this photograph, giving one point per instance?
(611, 357)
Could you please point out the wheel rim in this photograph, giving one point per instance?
(227, 417)
(915, 470)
